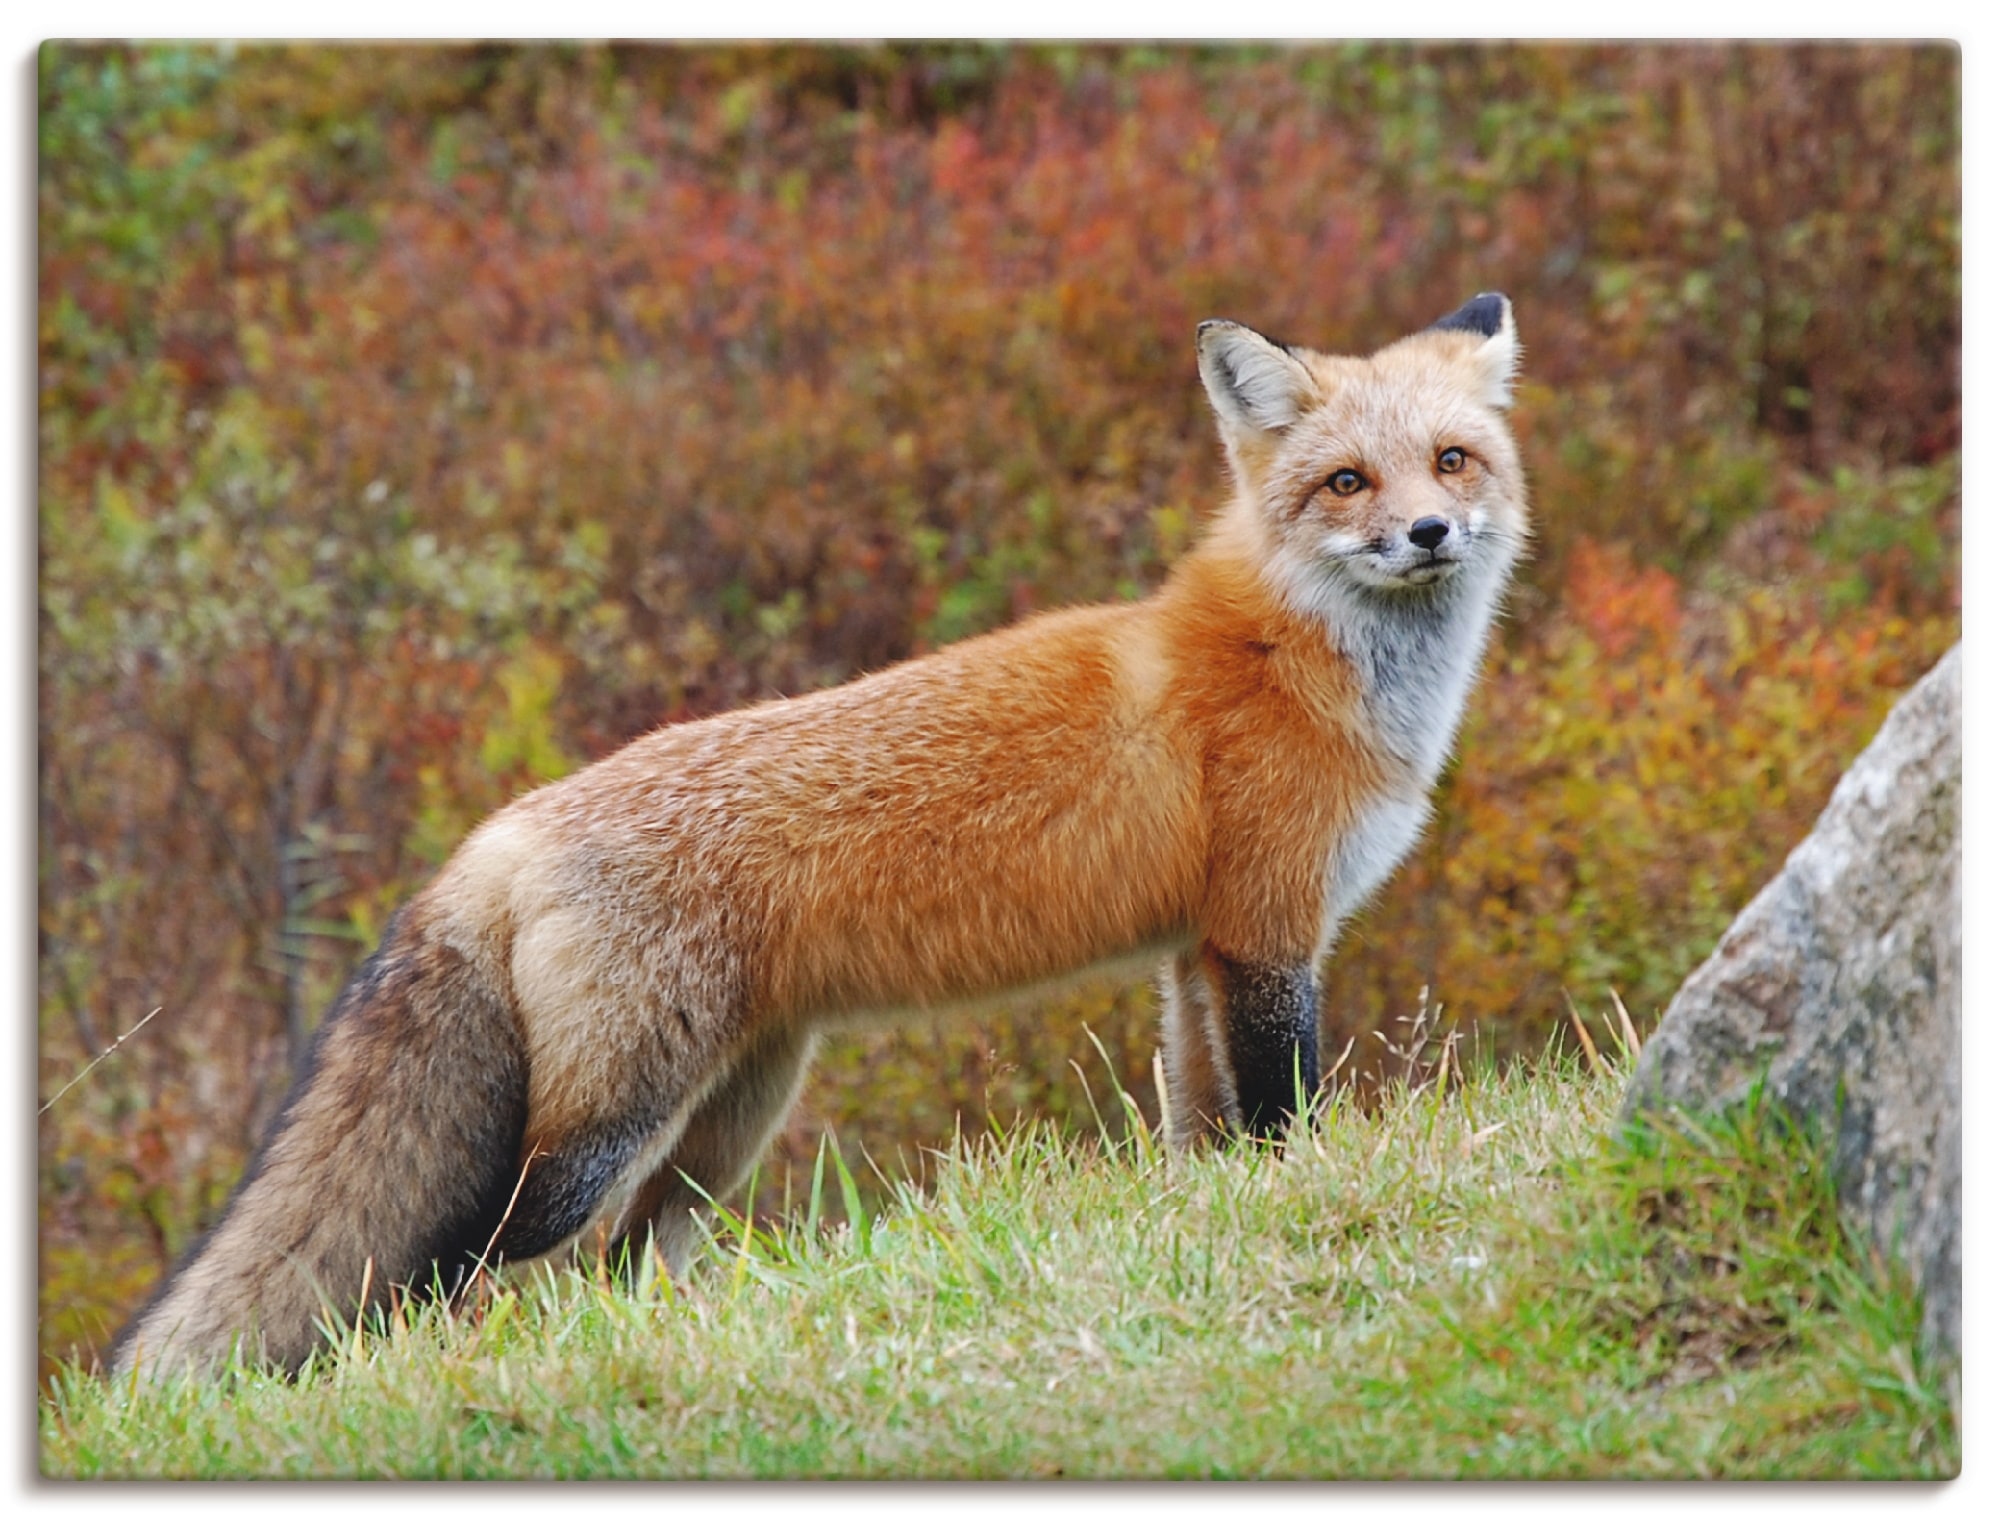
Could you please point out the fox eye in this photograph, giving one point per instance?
(1452, 460)
(1345, 482)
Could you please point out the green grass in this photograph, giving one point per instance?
(1470, 1281)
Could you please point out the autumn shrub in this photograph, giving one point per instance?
(419, 423)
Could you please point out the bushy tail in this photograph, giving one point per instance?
(392, 1160)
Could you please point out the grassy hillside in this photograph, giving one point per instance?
(1469, 1281)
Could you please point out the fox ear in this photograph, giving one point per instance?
(1489, 316)
(1252, 383)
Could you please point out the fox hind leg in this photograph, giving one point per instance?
(563, 1184)
(723, 1139)
(632, 1099)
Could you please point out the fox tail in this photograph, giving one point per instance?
(391, 1163)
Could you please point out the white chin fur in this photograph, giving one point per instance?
(1334, 587)
(1417, 653)
(1350, 557)
(1389, 573)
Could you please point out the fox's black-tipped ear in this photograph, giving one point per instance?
(1489, 315)
(1482, 316)
(1253, 384)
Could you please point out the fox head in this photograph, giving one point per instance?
(1390, 477)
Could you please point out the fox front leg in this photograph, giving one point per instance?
(1242, 1040)
(1270, 1026)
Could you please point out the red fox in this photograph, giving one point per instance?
(606, 1000)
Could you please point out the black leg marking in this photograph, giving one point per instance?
(563, 1189)
(1273, 1027)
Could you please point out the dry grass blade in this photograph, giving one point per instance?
(1583, 1034)
(480, 1267)
(1626, 1032)
(110, 1050)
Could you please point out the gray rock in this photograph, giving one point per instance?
(1839, 984)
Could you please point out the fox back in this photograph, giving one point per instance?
(607, 999)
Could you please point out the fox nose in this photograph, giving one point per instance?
(1429, 532)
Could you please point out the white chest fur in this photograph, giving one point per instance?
(1366, 854)
(1417, 657)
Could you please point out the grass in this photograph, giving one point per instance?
(1469, 1280)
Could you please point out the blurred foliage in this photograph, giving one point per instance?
(418, 423)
